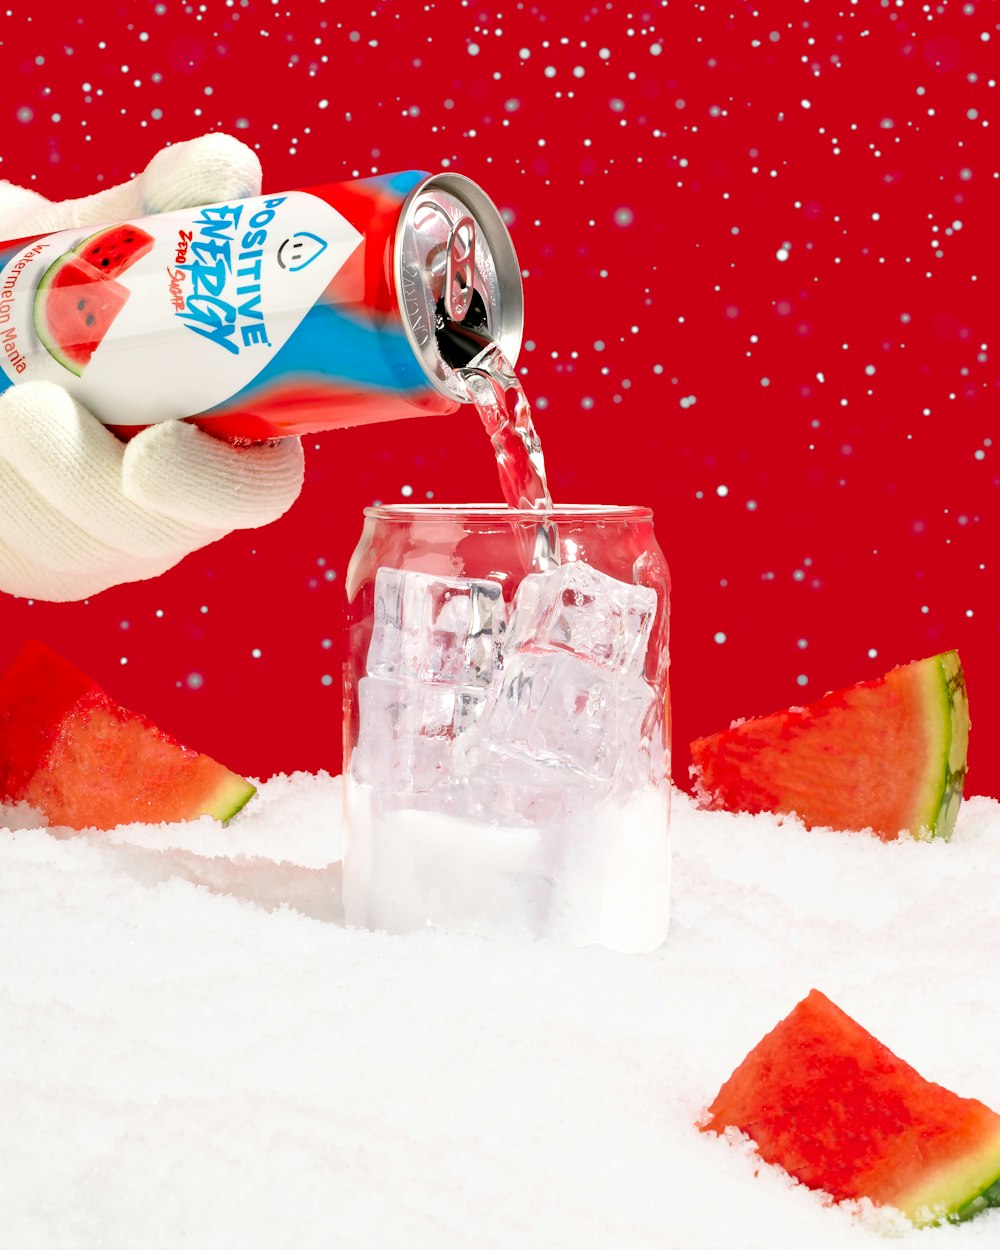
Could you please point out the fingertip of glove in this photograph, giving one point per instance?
(184, 441)
(215, 166)
(180, 471)
(163, 438)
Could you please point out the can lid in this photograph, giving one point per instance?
(457, 278)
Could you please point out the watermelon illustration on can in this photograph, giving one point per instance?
(78, 298)
(282, 314)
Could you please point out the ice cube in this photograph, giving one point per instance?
(565, 720)
(506, 788)
(407, 730)
(438, 629)
(575, 609)
(565, 713)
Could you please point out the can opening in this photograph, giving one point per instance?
(457, 277)
(460, 341)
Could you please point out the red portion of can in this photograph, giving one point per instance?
(374, 213)
(296, 410)
(16, 245)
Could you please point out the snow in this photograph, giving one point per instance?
(196, 1051)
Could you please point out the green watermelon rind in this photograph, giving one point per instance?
(955, 754)
(946, 705)
(986, 1198)
(232, 795)
(41, 322)
(958, 1192)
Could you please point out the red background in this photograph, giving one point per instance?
(782, 227)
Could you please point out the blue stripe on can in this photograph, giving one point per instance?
(330, 344)
(404, 183)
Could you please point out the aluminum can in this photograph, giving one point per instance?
(283, 314)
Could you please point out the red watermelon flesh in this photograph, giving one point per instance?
(839, 1111)
(887, 755)
(83, 761)
(112, 250)
(74, 308)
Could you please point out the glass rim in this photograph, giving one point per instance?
(500, 512)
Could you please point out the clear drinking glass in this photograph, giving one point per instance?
(507, 731)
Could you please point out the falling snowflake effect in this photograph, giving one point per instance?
(759, 249)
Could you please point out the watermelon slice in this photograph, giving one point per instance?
(74, 308)
(112, 250)
(830, 1104)
(74, 755)
(887, 755)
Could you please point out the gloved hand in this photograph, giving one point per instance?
(81, 511)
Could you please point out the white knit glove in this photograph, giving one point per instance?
(81, 511)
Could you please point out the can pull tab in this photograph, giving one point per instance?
(460, 269)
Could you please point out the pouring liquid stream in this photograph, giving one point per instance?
(496, 393)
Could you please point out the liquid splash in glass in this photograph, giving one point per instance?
(498, 396)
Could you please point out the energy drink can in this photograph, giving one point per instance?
(282, 314)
